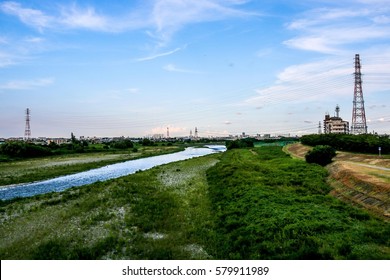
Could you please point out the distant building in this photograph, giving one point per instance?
(335, 124)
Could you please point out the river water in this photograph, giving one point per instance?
(103, 173)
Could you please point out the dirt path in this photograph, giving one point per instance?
(371, 166)
(360, 179)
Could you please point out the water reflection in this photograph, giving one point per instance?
(103, 173)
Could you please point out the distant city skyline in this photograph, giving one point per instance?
(135, 68)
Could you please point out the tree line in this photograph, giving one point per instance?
(22, 149)
(363, 143)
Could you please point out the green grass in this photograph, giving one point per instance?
(243, 204)
(269, 206)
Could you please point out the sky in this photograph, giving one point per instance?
(134, 68)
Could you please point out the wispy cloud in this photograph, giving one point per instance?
(76, 17)
(326, 79)
(154, 56)
(31, 17)
(34, 40)
(331, 30)
(306, 82)
(26, 84)
(174, 68)
(68, 17)
(169, 16)
(163, 17)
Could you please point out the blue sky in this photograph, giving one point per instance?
(136, 67)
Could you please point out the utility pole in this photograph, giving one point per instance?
(359, 125)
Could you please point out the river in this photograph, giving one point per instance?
(103, 173)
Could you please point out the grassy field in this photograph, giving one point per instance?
(254, 203)
(270, 206)
(360, 179)
(29, 170)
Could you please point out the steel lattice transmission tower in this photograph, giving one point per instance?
(27, 130)
(359, 125)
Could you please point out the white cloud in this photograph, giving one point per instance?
(307, 82)
(332, 30)
(164, 17)
(312, 43)
(326, 79)
(31, 17)
(26, 84)
(382, 19)
(174, 68)
(35, 40)
(71, 17)
(154, 56)
(75, 17)
(169, 16)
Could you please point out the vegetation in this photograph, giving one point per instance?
(321, 155)
(240, 143)
(365, 143)
(269, 206)
(254, 203)
(162, 213)
(21, 150)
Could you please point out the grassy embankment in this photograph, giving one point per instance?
(29, 170)
(162, 213)
(271, 206)
(254, 203)
(361, 179)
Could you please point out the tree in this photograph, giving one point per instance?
(321, 154)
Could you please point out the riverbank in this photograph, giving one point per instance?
(161, 213)
(102, 174)
(256, 203)
(359, 179)
(37, 169)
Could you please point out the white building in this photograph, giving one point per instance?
(335, 124)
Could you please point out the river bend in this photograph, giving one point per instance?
(103, 173)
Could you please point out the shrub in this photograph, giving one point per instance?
(321, 155)
(241, 143)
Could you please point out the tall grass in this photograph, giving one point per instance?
(269, 206)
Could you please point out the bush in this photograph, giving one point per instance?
(20, 149)
(321, 155)
(241, 143)
(122, 144)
